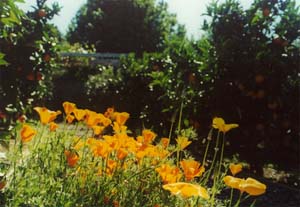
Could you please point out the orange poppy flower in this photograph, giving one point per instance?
(98, 129)
(149, 136)
(92, 118)
(46, 116)
(70, 118)
(168, 173)
(233, 182)
(53, 126)
(72, 158)
(182, 142)
(79, 114)
(121, 118)
(191, 169)
(27, 133)
(165, 142)
(235, 168)
(69, 107)
(186, 190)
(253, 187)
(219, 123)
(250, 185)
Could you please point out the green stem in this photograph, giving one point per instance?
(239, 200)
(221, 156)
(231, 195)
(207, 147)
(180, 117)
(214, 158)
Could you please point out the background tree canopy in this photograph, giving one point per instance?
(123, 26)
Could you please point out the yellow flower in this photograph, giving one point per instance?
(186, 190)
(121, 118)
(27, 133)
(121, 154)
(250, 185)
(233, 182)
(70, 118)
(111, 166)
(235, 168)
(53, 126)
(149, 136)
(253, 187)
(118, 128)
(72, 158)
(219, 123)
(46, 116)
(182, 142)
(69, 107)
(79, 114)
(191, 169)
(165, 142)
(98, 129)
(168, 173)
(92, 118)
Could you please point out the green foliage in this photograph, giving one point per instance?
(29, 48)
(256, 62)
(123, 26)
(10, 16)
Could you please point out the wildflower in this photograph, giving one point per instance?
(53, 126)
(186, 190)
(109, 112)
(121, 154)
(235, 168)
(250, 185)
(121, 118)
(111, 165)
(182, 142)
(69, 107)
(191, 169)
(27, 133)
(72, 158)
(168, 173)
(70, 118)
(98, 129)
(119, 128)
(148, 135)
(92, 118)
(253, 187)
(165, 142)
(105, 121)
(233, 182)
(219, 123)
(46, 116)
(79, 114)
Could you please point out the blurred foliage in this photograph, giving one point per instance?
(123, 26)
(29, 47)
(10, 15)
(255, 61)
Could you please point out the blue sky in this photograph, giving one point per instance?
(188, 12)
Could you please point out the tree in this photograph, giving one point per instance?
(123, 25)
(256, 70)
(29, 51)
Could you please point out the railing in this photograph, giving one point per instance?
(112, 59)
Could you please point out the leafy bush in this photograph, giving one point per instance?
(256, 59)
(29, 49)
